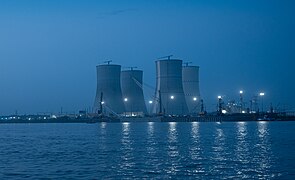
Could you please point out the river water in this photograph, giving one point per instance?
(249, 150)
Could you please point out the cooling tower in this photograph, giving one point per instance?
(169, 92)
(131, 84)
(109, 87)
(190, 79)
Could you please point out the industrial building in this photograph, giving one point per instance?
(109, 98)
(170, 98)
(121, 92)
(191, 88)
(132, 90)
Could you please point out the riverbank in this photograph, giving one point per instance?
(207, 118)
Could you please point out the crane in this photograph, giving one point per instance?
(131, 68)
(187, 63)
(108, 62)
(164, 57)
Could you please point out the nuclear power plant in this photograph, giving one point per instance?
(121, 93)
(169, 88)
(190, 81)
(109, 98)
(132, 90)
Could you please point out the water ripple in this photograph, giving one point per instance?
(243, 150)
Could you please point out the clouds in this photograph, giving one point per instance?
(115, 13)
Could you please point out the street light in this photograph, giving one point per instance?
(219, 104)
(172, 98)
(125, 100)
(195, 104)
(150, 102)
(241, 100)
(261, 95)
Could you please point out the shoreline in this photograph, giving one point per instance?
(228, 118)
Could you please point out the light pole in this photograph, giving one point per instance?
(195, 105)
(202, 106)
(261, 95)
(150, 103)
(101, 106)
(126, 100)
(241, 101)
(219, 105)
(172, 98)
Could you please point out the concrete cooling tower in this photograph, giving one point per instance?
(169, 91)
(131, 84)
(109, 89)
(190, 79)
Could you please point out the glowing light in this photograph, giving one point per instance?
(172, 123)
(102, 102)
(103, 125)
(224, 111)
(195, 99)
(151, 102)
(150, 123)
(261, 94)
(125, 99)
(243, 112)
(219, 97)
(171, 97)
(241, 92)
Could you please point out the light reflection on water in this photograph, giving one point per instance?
(263, 155)
(219, 154)
(127, 160)
(151, 141)
(195, 151)
(151, 159)
(242, 152)
(102, 136)
(195, 144)
(172, 149)
(249, 150)
(150, 128)
(103, 125)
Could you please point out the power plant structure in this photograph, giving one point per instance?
(120, 97)
(109, 98)
(170, 98)
(132, 90)
(121, 93)
(191, 88)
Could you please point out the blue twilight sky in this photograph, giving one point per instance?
(49, 48)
